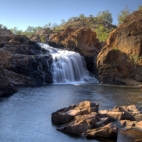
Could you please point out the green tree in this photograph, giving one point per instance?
(14, 30)
(140, 7)
(102, 33)
(105, 16)
(123, 14)
(63, 22)
(47, 25)
(82, 16)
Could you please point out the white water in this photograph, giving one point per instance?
(68, 66)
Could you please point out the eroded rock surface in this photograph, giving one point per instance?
(21, 63)
(84, 119)
(121, 57)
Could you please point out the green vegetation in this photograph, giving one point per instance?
(105, 16)
(102, 33)
(140, 7)
(42, 39)
(116, 49)
(123, 14)
(136, 58)
(3, 27)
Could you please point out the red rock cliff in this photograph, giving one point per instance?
(121, 57)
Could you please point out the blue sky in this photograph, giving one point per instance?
(24, 13)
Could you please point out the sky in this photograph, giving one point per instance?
(24, 13)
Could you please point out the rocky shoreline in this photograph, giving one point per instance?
(85, 119)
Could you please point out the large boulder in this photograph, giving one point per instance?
(121, 57)
(80, 124)
(65, 115)
(109, 131)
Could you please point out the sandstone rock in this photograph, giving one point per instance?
(83, 119)
(127, 124)
(80, 124)
(138, 125)
(111, 115)
(65, 115)
(131, 112)
(120, 58)
(108, 131)
(101, 122)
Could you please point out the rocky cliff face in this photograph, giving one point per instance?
(121, 57)
(21, 64)
(81, 40)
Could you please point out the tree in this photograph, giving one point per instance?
(102, 33)
(63, 22)
(47, 25)
(123, 14)
(14, 30)
(82, 16)
(105, 16)
(140, 7)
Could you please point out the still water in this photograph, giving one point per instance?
(26, 115)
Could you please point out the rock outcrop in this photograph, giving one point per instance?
(21, 63)
(84, 119)
(121, 57)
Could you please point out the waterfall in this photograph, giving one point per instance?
(68, 66)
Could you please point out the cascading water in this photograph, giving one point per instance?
(68, 66)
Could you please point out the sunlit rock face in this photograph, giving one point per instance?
(121, 57)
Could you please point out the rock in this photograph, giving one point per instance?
(138, 126)
(61, 117)
(112, 116)
(22, 63)
(4, 32)
(80, 124)
(120, 58)
(42, 35)
(101, 122)
(127, 124)
(108, 131)
(85, 120)
(65, 115)
(6, 87)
